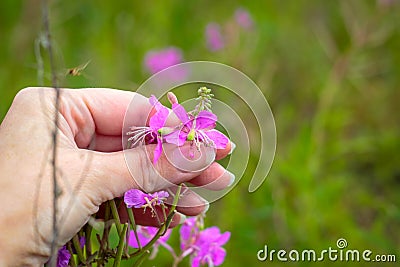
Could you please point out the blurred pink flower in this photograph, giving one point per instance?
(157, 60)
(188, 232)
(243, 18)
(209, 247)
(145, 235)
(215, 40)
(205, 247)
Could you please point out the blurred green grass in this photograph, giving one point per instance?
(329, 70)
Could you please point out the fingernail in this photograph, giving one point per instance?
(182, 218)
(231, 178)
(206, 208)
(233, 146)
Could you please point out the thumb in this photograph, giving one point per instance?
(115, 173)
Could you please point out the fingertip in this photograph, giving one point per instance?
(222, 153)
(215, 178)
(177, 220)
(192, 204)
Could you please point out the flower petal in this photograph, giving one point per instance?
(134, 198)
(217, 255)
(82, 241)
(157, 150)
(158, 120)
(160, 195)
(223, 238)
(180, 112)
(206, 119)
(143, 238)
(187, 231)
(154, 102)
(196, 261)
(157, 60)
(209, 235)
(63, 257)
(178, 138)
(219, 139)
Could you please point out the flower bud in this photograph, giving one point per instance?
(172, 98)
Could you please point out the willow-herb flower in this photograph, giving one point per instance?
(215, 40)
(243, 19)
(156, 129)
(156, 61)
(138, 199)
(188, 233)
(145, 235)
(199, 128)
(208, 247)
(205, 247)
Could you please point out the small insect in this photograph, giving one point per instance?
(77, 71)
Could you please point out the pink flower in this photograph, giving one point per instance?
(243, 19)
(188, 233)
(145, 235)
(158, 60)
(138, 199)
(209, 247)
(205, 247)
(198, 128)
(215, 40)
(155, 131)
(156, 123)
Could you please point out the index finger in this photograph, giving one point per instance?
(109, 106)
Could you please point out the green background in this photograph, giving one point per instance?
(329, 70)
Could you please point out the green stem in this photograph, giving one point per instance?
(121, 244)
(77, 246)
(104, 239)
(133, 223)
(88, 243)
(92, 258)
(176, 198)
(163, 210)
(115, 214)
(142, 259)
(173, 207)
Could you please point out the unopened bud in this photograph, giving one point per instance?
(172, 98)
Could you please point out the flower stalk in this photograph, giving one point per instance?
(204, 99)
(121, 245)
(77, 247)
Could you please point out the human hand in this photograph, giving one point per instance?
(90, 167)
